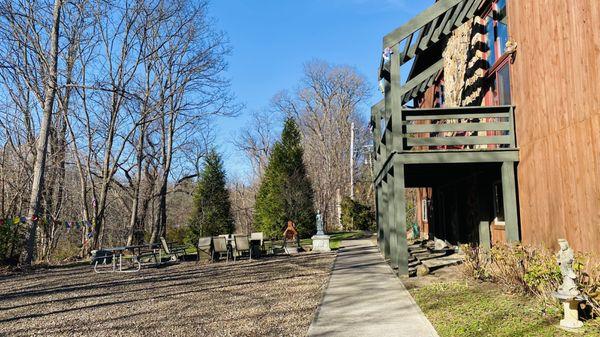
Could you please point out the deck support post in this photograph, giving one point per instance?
(379, 210)
(399, 214)
(485, 241)
(509, 193)
(386, 218)
(393, 224)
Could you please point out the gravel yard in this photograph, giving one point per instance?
(274, 296)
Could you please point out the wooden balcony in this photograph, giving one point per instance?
(446, 135)
(462, 129)
(435, 147)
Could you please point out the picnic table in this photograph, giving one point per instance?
(115, 256)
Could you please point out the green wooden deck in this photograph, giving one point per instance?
(441, 136)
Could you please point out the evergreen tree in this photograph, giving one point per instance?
(212, 208)
(285, 192)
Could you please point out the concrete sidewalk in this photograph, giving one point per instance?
(364, 298)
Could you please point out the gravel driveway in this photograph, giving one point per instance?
(275, 296)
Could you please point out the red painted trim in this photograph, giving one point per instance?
(499, 64)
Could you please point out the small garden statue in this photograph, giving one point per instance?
(320, 241)
(568, 293)
(565, 258)
(319, 223)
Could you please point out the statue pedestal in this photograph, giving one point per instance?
(571, 316)
(320, 243)
(291, 250)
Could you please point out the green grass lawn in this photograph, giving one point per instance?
(336, 238)
(458, 309)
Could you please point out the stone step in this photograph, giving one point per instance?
(444, 261)
(428, 256)
(414, 263)
(418, 250)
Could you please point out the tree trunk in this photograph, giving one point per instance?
(42, 142)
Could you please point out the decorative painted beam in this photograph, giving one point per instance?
(417, 22)
(421, 82)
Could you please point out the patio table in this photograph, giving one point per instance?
(119, 253)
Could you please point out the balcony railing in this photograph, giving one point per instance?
(465, 128)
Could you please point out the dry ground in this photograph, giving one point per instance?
(277, 296)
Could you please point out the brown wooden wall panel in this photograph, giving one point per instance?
(498, 234)
(556, 89)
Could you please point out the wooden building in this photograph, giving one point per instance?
(498, 124)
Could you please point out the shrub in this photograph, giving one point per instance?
(530, 270)
(356, 215)
(12, 234)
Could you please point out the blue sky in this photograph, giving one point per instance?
(272, 39)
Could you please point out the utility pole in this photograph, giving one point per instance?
(352, 160)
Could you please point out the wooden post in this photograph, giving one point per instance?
(397, 211)
(401, 252)
(484, 235)
(395, 101)
(392, 221)
(379, 209)
(386, 218)
(509, 194)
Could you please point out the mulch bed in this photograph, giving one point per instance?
(274, 296)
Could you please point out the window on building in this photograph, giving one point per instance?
(496, 32)
(498, 202)
(503, 85)
(500, 85)
(491, 53)
(499, 66)
(440, 95)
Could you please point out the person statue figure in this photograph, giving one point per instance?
(320, 224)
(320, 241)
(565, 258)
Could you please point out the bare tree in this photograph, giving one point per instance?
(23, 31)
(257, 139)
(137, 84)
(325, 104)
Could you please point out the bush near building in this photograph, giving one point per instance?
(356, 215)
(533, 271)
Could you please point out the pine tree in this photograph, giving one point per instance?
(285, 192)
(212, 207)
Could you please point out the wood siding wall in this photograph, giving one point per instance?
(556, 88)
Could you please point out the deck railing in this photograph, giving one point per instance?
(465, 128)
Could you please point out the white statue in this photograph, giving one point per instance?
(319, 224)
(565, 258)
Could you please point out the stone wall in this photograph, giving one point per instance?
(464, 65)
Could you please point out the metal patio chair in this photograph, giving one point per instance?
(205, 246)
(242, 244)
(220, 247)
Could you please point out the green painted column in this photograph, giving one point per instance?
(401, 251)
(509, 193)
(392, 221)
(485, 235)
(378, 204)
(386, 218)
